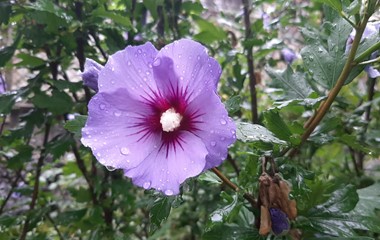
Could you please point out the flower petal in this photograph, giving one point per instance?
(188, 66)
(90, 74)
(165, 171)
(114, 134)
(372, 72)
(213, 126)
(130, 69)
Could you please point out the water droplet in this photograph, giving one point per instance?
(213, 143)
(179, 55)
(212, 131)
(198, 57)
(146, 185)
(98, 154)
(112, 82)
(124, 150)
(185, 169)
(223, 122)
(311, 58)
(157, 62)
(110, 168)
(150, 65)
(129, 63)
(222, 138)
(145, 79)
(169, 192)
(102, 106)
(117, 114)
(147, 73)
(139, 51)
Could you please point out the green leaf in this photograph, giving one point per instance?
(75, 126)
(116, 17)
(209, 177)
(335, 4)
(29, 61)
(233, 104)
(160, 210)
(5, 12)
(294, 85)
(209, 32)
(369, 200)
(232, 231)
(58, 103)
(248, 132)
(325, 63)
(342, 200)
(274, 122)
(228, 212)
(6, 53)
(70, 217)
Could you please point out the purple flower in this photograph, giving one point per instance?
(288, 55)
(280, 221)
(370, 30)
(2, 84)
(91, 74)
(157, 115)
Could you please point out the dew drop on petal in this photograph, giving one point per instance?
(124, 151)
(146, 185)
(222, 138)
(139, 51)
(117, 114)
(213, 143)
(129, 63)
(102, 106)
(110, 168)
(223, 122)
(98, 154)
(168, 192)
(157, 62)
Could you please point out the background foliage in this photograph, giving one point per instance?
(51, 187)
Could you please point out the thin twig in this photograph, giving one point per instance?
(40, 162)
(82, 168)
(250, 62)
(5, 115)
(54, 226)
(13, 186)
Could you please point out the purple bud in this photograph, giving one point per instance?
(2, 85)
(280, 221)
(288, 55)
(91, 73)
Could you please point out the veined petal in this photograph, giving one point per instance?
(213, 126)
(130, 69)
(188, 66)
(116, 136)
(165, 171)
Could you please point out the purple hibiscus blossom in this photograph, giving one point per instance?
(90, 74)
(370, 30)
(157, 115)
(288, 55)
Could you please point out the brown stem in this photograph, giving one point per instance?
(82, 168)
(36, 181)
(3, 83)
(232, 185)
(250, 62)
(13, 186)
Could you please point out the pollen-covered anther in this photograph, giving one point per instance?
(170, 120)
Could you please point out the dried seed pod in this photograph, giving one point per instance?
(265, 221)
(275, 195)
(292, 209)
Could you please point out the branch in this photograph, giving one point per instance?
(251, 68)
(232, 185)
(324, 107)
(36, 181)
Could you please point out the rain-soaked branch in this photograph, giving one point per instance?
(325, 106)
(234, 187)
(250, 62)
